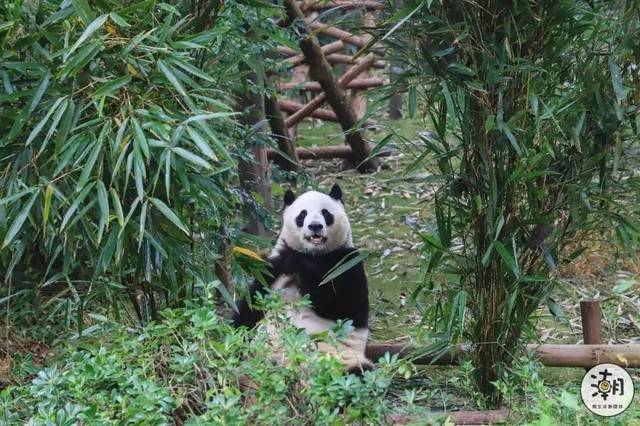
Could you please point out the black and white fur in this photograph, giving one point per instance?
(315, 236)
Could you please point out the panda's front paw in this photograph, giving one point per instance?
(359, 369)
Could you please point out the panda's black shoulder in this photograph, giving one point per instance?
(289, 261)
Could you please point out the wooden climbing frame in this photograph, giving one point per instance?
(313, 73)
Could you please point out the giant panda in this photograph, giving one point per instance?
(315, 237)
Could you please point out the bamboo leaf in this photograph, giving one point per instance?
(191, 157)
(169, 214)
(346, 263)
(117, 206)
(88, 32)
(17, 223)
(47, 206)
(103, 202)
(507, 257)
(201, 144)
(143, 219)
(74, 206)
(110, 87)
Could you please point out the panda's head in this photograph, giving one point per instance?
(315, 223)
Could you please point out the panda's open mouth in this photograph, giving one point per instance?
(316, 239)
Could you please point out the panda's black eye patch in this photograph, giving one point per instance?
(300, 218)
(328, 217)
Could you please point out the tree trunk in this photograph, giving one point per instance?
(396, 101)
(253, 173)
(320, 71)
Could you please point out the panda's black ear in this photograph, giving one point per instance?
(336, 192)
(289, 197)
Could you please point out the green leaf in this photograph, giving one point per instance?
(83, 10)
(88, 32)
(507, 257)
(17, 223)
(74, 205)
(110, 87)
(18, 195)
(346, 263)
(143, 219)
(115, 199)
(192, 158)
(44, 120)
(89, 165)
(201, 144)
(169, 214)
(33, 104)
(624, 285)
(103, 202)
(140, 138)
(47, 205)
(459, 68)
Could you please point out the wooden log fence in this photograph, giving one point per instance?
(343, 81)
(314, 86)
(327, 49)
(548, 354)
(323, 152)
(339, 58)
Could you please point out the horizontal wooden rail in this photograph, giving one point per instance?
(339, 58)
(342, 4)
(327, 49)
(325, 152)
(549, 355)
(314, 86)
(319, 113)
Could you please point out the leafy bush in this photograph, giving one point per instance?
(193, 367)
(534, 105)
(119, 147)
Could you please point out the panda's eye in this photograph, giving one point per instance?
(328, 217)
(300, 218)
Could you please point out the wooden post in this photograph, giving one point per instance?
(591, 322)
(320, 71)
(280, 132)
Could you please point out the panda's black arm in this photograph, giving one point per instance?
(357, 302)
(248, 316)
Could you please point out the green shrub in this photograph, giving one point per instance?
(193, 367)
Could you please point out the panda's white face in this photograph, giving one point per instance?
(316, 223)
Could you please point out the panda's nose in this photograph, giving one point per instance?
(315, 226)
